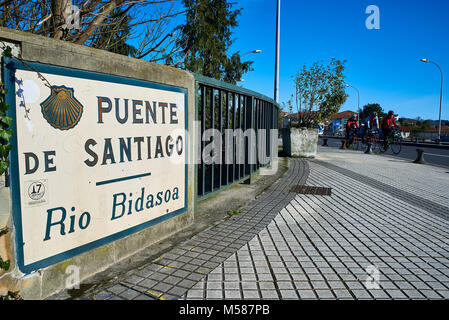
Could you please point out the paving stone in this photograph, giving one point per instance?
(180, 273)
(288, 294)
(265, 277)
(214, 285)
(379, 294)
(299, 277)
(117, 289)
(162, 287)
(172, 280)
(248, 277)
(195, 294)
(214, 277)
(282, 277)
(158, 276)
(361, 294)
(143, 297)
(342, 294)
(413, 294)
(334, 285)
(251, 294)
(396, 294)
(444, 293)
(319, 285)
(233, 294)
(214, 294)
(231, 285)
(306, 294)
(186, 283)
(430, 294)
(129, 294)
(285, 285)
(269, 294)
(231, 277)
(267, 285)
(102, 295)
(176, 291)
(144, 273)
(324, 294)
(420, 285)
(249, 285)
(147, 283)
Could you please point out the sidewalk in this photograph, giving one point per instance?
(381, 234)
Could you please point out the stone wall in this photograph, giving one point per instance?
(50, 280)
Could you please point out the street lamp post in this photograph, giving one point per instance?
(254, 51)
(441, 97)
(276, 64)
(358, 101)
(242, 55)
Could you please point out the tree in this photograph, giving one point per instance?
(103, 24)
(114, 34)
(319, 92)
(369, 108)
(206, 38)
(332, 104)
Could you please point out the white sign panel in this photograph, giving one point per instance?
(96, 158)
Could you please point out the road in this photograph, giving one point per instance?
(432, 156)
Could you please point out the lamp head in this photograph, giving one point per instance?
(425, 60)
(257, 51)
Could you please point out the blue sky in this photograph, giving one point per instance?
(383, 64)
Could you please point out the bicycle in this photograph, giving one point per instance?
(372, 138)
(394, 141)
(353, 142)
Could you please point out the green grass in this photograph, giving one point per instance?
(233, 212)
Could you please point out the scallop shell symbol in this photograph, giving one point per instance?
(61, 109)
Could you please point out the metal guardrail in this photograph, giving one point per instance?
(404, 142)
(222, 106)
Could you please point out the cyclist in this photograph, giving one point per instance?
(371, 122)
(351, 126)
(388, 123)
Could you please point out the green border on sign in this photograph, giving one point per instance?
(9, 67)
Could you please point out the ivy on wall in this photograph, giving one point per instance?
(11, 296)
(5, 146)
(4, 264)
(5, 123)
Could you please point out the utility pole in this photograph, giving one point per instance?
(277, 51)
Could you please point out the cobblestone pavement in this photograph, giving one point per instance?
(382, 234)
(176, 272)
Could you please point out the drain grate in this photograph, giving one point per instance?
(317, 191)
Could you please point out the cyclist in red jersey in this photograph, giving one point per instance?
(351, 125)
(388, 123)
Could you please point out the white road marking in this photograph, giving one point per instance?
(436, 155)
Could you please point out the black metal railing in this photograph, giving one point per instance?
(228, 109)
